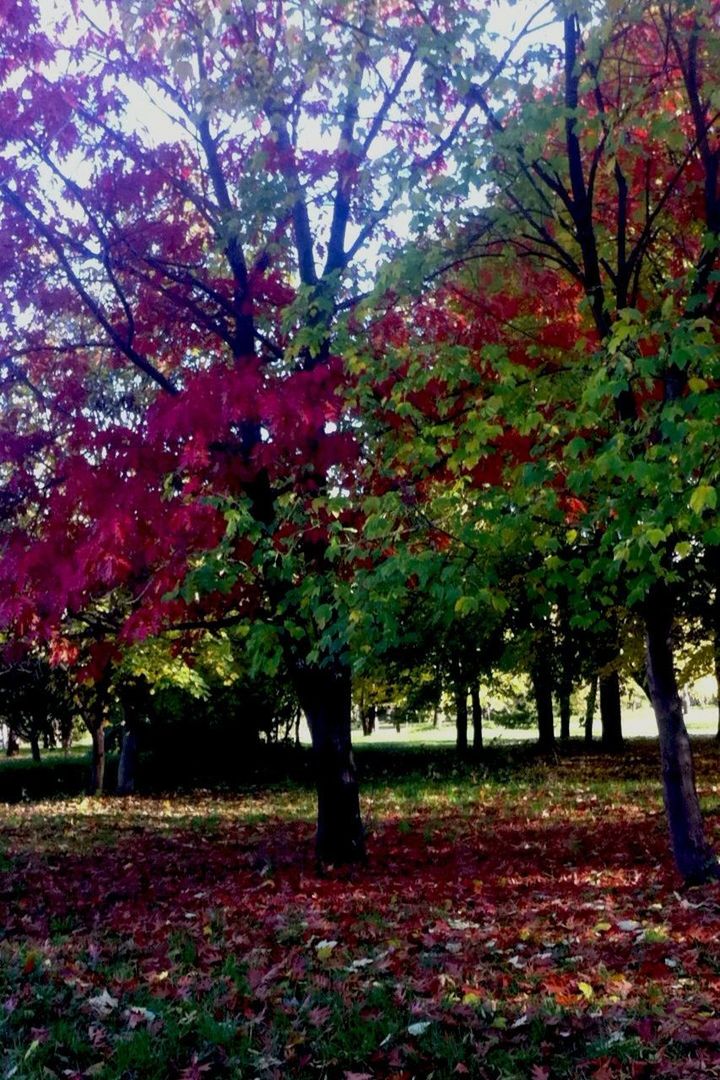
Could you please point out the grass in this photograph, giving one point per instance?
(518, 918)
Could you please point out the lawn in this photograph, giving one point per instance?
(522, 920)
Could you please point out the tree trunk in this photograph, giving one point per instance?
(611, 712)
(477, 719)
(461, 718)
(717, 679)
(566, 669)
(714, 564)
(693, 856)
(35, 746)
(97, 767)
(13, 746)
(367, 719)
(66, 733)
(543, 688)
(324, 694)
(590, 709)
(128, 761)
(564, 697)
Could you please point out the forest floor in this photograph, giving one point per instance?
(520, 921)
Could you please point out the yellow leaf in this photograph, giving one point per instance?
(586, 990)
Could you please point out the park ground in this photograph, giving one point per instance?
(519, 918)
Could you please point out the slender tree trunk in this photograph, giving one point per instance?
(461, 718)
(325, 697)
(611, 712)
(717, 679)
(128, 761)
(543, 688)
(477, 719)
(13, 746)
(35, 746)
(97, 764)
(693, 856)
(97, 767)
(566, 669)
(66, 732)
(590, 709)
(564, 697)
(367, 719)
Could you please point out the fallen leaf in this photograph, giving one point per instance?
(103, 1003)
(418, 1028)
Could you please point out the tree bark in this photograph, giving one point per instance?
(325, 697)
(590, 709)
(477, 719)
(97, 767)
(564, 697)
(693, 856)
(128, 761)
(566, 668)
(461, 718)
(66, 733)
(611, 712)
(543, 688)
(367, 719)
(715, 622)
(35, 746)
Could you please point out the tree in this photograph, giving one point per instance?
(173, 344)
(573, 400)
(36, 701)
(607, 182)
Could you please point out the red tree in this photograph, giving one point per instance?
(187, 197)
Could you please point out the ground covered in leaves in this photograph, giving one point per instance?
(512, 923)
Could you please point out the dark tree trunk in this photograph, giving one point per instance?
(566, 670)
(611, 712)
(543, 690)
(66, 732)
(717, 680)
(564, 697)
(13, 746)
(97, 767)
(590, 709)
(461, 718)
(324, 694)
(693, 856)
(367, 719)
(477, 719)
(35, 746)
(128, 761)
